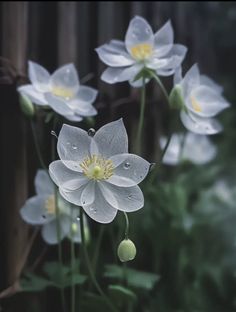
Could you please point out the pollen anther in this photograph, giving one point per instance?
(97, 167)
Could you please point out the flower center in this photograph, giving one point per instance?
(50, 205)
(196, 106)
(62, 92)
(141, 51)
(97, 167)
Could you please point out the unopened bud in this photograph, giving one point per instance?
(74, 228)
(27, 106)
(126, 250)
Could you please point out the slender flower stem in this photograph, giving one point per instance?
(160, 84)
(72, 253)
(97, 249)
(141, 116)
(126, 225)
(89, 265)
(37, 147)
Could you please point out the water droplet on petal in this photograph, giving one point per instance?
(74, 147)
(91, 132)
(54, 134)
(126, 165)
(130, 196)
(67, 143)
(43, 216)
(77, 218)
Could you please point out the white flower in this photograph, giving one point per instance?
(202, 100)
(141, 49)
(61, 91)
(41, 210)
(196, 148)
(97, 172)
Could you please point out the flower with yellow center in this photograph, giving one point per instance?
(41, 210)
(141, 49)
(61, 91)
(201, 100)
(97, 172)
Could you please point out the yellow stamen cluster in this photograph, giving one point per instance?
(196, 106)
(97, 167)
(63, 92)
(141, 51)
(50, 205)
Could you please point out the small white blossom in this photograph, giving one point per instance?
(61, 91)
(202, 100)
(97, 172)
(41, 210)
(194, 147)
(141, 49)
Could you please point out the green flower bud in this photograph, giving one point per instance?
(74, 228)
(176, 98)
(126, 250)
(27, 106)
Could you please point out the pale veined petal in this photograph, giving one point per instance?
(73, 146)
(100, 210)
(34, 211)
(163, 39)
(200, 125)
(74, 197)
(113, 59)
(39, 77)
(139, 32)
(178, 75)
(64, 82)
(129, 170)
(86, 94)
(43, 183)
(191, 80)
(112, 139)
(113, 75)
(63, 176)
(117, 46)
(82, 108)
(172, 154)
(122, 198)
(138, 83)
(58, 105)
(75, 117)
(206, 102)
(50, 233)
(88, 194)
(35, 96)
(206, 81)
(198, 149)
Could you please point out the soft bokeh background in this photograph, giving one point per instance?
(186, 232)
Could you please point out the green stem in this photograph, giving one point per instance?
(37, 147)
(141, 116)
(89, 265)
(72, 253)
(97, 249)
(126, 225)
(152, 74)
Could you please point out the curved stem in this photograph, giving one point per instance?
(95, 256)
(141, 116)
(37, 147)
(152, 74)
(126, 225)
(89, 266)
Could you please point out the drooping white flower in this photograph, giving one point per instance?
(202, 99)
(41, 210)
(97, 172)
(194, 147)
(141, 49)
(61, 91)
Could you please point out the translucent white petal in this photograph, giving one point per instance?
(34, 212)
(39, 77)
(206, 81)
(112, 139)
(198, 149)
(74, 118)
(130, 170)
(73, 146)
(114, 75)
(43, 183)
(200, 125)
(178, 75)
(49, 230)
(139, 31)
(138, 83)
(63, 176)
(206, 102)
(122, 198)
(86, 94)
(82, 108)
(74, 197)
(65, 77)
(100, 210)
(117, 46)
(172, 153)
(58, 105)
(163, 39)
(35, 96)
(191, 80)
(113, 59)
(88, 194)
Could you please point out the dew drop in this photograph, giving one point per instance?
(91, 132)
(54, 134)
(130, 196)
(74, 147)
(43, 216)
(126, 165)
(77, 218)
(67, 143)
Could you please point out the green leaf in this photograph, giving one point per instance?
(33, 283)
(135, 278)
(121, 294)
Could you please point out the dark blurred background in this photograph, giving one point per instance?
(55, 33)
